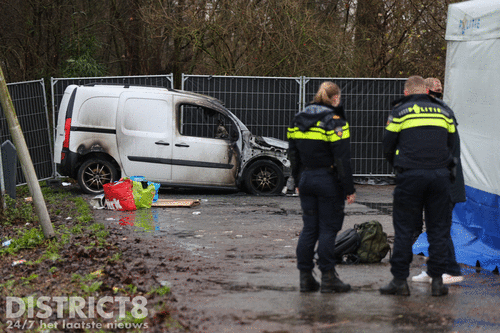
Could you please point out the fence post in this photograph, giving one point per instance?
(3, 206)
(9, 166)
(25, 158)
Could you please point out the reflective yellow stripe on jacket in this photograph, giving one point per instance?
(317, 133)
(422, 119)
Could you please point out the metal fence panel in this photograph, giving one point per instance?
(31, 108)
(367, 103)
(58, 85)
(266, 105)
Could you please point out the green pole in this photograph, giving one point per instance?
(25, 158)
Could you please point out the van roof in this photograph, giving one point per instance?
(148, 87)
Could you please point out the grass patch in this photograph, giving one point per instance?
(27, 239)
(161, 291)
(81, 260)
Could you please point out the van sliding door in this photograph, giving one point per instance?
(144, 136)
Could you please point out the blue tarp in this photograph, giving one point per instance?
(475, 230)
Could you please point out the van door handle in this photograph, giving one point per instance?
(163, 143)
(181, 145)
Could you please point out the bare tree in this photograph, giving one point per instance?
(242, 37)
(364, 38)
(400, 38)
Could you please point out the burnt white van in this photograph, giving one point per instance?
(175, 138)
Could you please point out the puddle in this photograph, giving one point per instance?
(382, 208)
(146, 222)
(470, 324)
(183, 233)
(261, 256)
(144, 219)
(480, 282)
(250, 288)
(304, 317)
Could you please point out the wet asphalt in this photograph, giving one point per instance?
(252, 239)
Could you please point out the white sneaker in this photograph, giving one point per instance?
(422, 277)
(447, 279)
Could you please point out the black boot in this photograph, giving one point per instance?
(330, 283)
(307, 282)
(438, 288)
(396, 287)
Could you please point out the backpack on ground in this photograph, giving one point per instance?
(374, 245)
(346, 245)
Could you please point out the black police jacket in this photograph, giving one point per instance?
(319, 137)
(420, 133)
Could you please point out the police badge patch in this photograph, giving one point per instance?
(339, 131)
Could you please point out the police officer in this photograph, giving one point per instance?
(435, 87)
(319, 153)
(418, 141)
(453, 272)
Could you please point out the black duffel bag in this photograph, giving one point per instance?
(346, 245)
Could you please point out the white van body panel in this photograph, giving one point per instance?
(92, 122)
(93, 125)
(98, 112)
(203, 161)
(144, 140)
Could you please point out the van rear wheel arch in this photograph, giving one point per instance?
(94, 172)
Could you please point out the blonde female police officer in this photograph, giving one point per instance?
(319, 153)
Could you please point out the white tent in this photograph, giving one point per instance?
(472, 90)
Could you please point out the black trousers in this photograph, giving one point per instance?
(322, 202)
(452, 266)
(415, 190)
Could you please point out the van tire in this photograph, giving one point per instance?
(264, 178)
(94, 173)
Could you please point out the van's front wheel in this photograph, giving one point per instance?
(94, 173)
(264, 178)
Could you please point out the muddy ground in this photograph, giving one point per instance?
(231, 266)
(235, 270)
